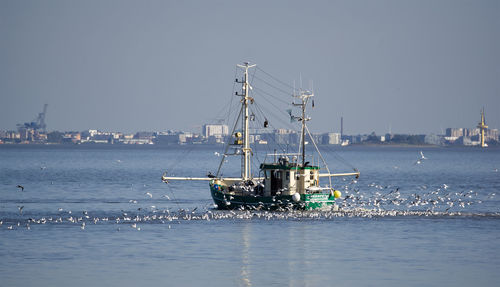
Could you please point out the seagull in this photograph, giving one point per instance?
(20, 209)
(421, 159)
(217, 153)
(21, 187)
(422, 155)
(83, 226)
(149, 194)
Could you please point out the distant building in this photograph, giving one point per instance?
(144, 135)
(433, 139)
(209, 130)
(492, 135)
(331, 139)
(454, 132)
(176, 138)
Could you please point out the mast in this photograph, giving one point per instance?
(304, 96)
(246, 99)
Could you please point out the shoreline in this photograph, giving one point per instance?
(218, 146)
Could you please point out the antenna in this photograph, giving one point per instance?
(304, 97)
(300, 77)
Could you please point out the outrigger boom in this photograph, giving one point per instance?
(166, 179)
(339, 174)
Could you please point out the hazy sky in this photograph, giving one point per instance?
(414, 66)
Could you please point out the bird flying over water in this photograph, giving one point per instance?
(20, 187)
(421, 158)
(422, 155)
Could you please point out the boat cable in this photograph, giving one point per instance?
(277, 109)
(173, 196)
(320, 155)
(176, 162)
(227, 145)
(273, 86)
(288, 125)
(230, 109)
(274, 78)
(271, 95)
(227, 138)
(335, 153)
(259, 109)
(266, 146)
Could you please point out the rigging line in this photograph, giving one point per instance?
(180, 158)
(272, 138)
(232, 92)
(272, 104)
(320, 155)
(173, 195)
(227, 138)
(254, 151)
(273, 86)
(259, 109)
(271, 95)
(229, 111)
(276, 79)
(253, 76)
(222, 111)
(339, 157)
(175, 162)
(229, 104)
(277, 118)
(266, 146)
(261, 123)
(227, 144)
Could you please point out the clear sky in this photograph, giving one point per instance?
(412, 66)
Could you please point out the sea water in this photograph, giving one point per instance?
(101, 216)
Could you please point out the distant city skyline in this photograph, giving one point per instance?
(413, 67)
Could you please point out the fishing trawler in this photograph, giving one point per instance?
(289, 181)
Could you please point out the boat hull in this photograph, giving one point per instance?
(307, 201)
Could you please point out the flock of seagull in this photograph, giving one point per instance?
(376, 201)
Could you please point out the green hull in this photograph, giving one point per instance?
(307, 201)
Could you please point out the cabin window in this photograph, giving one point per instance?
(287, 175)
(312, 177)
